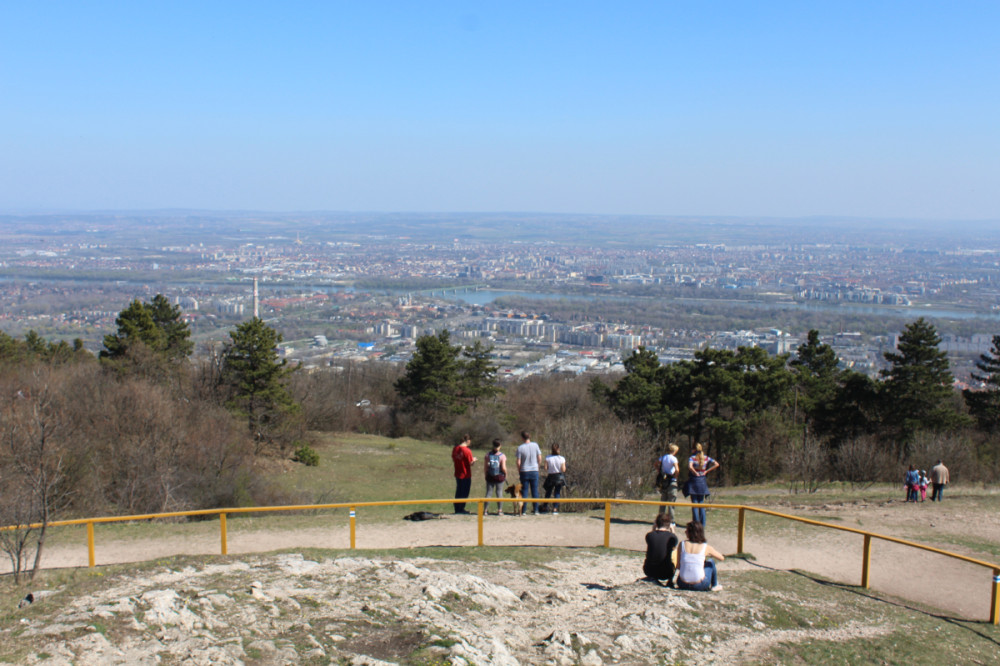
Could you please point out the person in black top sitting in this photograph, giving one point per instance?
(660, 546)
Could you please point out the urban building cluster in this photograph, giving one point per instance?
(371, 296)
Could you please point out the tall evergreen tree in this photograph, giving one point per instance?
(257, 378)
(714, 399)
(478, 374)
(156, 325)
(817, 375)
(985, 405)
(917, 388)
(176, 333)
(637, 397)
(431, 384)
(855, 408)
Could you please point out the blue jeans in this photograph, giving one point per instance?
(529, 482)
(937, 493)
(462, 489)
(698, 515)
(557, 492)
(710, 580)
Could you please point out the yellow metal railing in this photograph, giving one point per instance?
(352, 507)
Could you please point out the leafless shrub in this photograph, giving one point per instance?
(33, 432)
(18, 511)
(540, 399)
(864, 461)
(483, 423)
(355, 396)
(806, 465)
(604, 458)
(956, 450)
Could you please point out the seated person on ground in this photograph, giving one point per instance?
(661, 550)
(697, 569)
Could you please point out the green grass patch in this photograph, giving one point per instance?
(771, 601)
(368, 468)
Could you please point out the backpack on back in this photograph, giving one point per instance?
(493, 473)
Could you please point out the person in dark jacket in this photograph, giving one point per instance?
(661, 545)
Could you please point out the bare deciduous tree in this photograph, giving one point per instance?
(32, 466)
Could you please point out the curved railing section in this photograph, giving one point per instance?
(869, 537)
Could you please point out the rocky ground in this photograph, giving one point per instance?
(288, 608)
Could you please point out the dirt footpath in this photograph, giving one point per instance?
(954, 587)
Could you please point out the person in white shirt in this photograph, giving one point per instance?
(668, 467)
(696, 569)
(555, 469)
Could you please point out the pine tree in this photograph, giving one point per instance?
(817, 375)
(431, 384)
(985, 405)
(176, 333)
(135, 325)
(156, 325)
(637, 397)
(478, 374)
(917, 388)
(257, 379)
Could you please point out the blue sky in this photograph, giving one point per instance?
(865, 109)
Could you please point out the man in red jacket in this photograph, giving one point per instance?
(464, 460)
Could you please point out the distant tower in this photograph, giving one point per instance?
(256, 300)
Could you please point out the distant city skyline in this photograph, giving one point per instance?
(790, 110)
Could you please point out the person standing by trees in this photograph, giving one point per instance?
(939, 479)
(667, 469)
(462, 456)
(529, 460)
(555, 479)
(699, 465)
(496, 473)
(912, 483)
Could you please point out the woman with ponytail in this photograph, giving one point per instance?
(698, 466)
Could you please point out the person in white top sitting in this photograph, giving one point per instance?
(555, 469)
(697, 569)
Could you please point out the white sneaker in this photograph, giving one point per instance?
(500, 512)
(555, 513)
(717, 588)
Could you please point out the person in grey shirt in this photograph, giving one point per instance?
(529, 460)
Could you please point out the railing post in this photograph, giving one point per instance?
(353, 539)
(994, 610)
(479, 510)
(741, 523)
(222, 530)
(607, 524)
(866, 559)
(90, 545)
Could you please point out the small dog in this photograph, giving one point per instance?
(514, 490)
